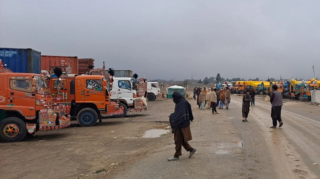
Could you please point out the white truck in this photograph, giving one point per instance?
(150, 90)
(153, 91)
(123, 91)
(225, 85)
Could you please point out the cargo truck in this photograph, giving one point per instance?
(26, 106)
(86, 97)
(149, 90)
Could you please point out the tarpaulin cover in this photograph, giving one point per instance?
(315, 96)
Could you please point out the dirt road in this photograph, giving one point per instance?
(226, 147)
(229, 148)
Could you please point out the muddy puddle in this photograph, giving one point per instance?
(228, 147)
(154, 133)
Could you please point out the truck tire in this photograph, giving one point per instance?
(125, 110)
(12, 129)
(87, 117)
(151, 97)
(261, 92)
(241, 92)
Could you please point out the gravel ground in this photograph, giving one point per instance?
(226, 147)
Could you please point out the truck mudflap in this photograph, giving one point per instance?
(52, 119)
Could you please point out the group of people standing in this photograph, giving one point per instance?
(182, 116)
(211, 98)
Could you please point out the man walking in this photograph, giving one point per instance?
(276, 101)
(228, 97)
(218, 96)
(198, 96)
(194, 93)
(252, 94)
(180, 125)
(213, 99)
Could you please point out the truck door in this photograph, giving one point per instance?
(153, 88)
(124, 89)
(79, 90)
(94, 92)
(21, 96)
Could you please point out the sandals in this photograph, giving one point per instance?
(273, 127)
(281, 124)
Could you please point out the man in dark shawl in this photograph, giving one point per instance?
(252, 94)
(198, 96)
(194, 93)
(276, 101)
(246, 106)
(180, 125)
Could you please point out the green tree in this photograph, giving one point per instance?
(211, 79)
(206, 80)
(218, 78)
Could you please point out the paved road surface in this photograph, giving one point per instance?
(229, 148)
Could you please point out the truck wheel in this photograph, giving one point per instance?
(12, 129)
(261, 92)
(87, 117)
(241, 92)
(125, 110)
(151, 97)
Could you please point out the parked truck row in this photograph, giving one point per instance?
(289, 89)
(50, 98)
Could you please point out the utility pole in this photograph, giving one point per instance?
(314, 74)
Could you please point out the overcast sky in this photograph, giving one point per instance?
(173, 39)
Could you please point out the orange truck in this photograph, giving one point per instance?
(86, 97)
(242, 87)
(26, 106)
(314, 84)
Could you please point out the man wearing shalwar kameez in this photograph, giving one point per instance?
(276, 101)
(228, 98)
(180, 125)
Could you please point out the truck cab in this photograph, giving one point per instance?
(87, 98)
(153, 91)
(124, 90)
(150, 90)
(242, 87)
(26, 106)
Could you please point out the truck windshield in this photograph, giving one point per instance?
(42, 85)
(94, 85)
(155, 85)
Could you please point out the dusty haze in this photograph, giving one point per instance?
(172, 39)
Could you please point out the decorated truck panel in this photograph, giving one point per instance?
(26, 106)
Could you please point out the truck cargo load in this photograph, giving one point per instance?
(121, 73)
(48, 62)
(83, 65)
(21, 60)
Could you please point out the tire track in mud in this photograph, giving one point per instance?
(288, 163)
